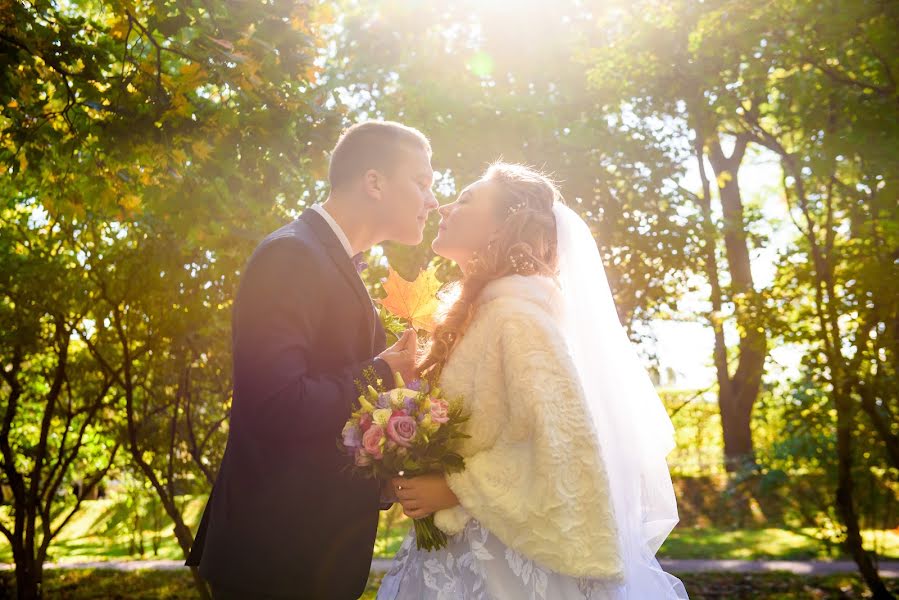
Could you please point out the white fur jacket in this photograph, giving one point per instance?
(533, 474)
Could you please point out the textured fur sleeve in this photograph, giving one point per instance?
(542, 488)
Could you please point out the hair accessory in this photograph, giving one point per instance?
(522, 263)
(517, 207)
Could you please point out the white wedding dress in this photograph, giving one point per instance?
(477, 566)
(565, 494)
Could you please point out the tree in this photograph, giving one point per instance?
(831, 116)
(59, 424)
(650, 60)
(486, 83)
(167, 138)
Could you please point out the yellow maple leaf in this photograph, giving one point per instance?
(415, 301)
(130, 202)
(201, 149)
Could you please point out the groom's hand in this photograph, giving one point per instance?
(388, 494)
(401, 356)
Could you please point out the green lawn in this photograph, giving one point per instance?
(100, 532)
(741, 544)
(768, 543)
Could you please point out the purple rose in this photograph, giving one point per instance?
(409, 404)
(401, 429)
(352, 436)
(383, 401)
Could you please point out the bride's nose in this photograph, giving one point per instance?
(445, 210)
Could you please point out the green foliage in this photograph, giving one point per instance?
(161, 106)
(58, 437)
(419, 63)
(145, 148)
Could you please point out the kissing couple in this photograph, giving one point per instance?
(565, 492)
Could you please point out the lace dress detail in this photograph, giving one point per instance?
(477, 566)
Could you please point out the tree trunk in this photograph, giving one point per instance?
(843, 385)
(28, 578)
(736, 416)
(881, 422)
(846, 502)
(185, 540)
(165, 493)
(744, 390)
(182, 531)
(737, 397)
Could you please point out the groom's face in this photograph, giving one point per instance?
(407, 197)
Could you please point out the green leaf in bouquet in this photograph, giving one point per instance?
(453, 463)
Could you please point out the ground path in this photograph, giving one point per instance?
(798, 567)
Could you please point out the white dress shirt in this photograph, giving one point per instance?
(344, 240)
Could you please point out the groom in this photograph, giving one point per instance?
(285, 519)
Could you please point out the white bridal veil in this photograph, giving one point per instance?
(634, 431)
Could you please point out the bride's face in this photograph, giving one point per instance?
(468, 224)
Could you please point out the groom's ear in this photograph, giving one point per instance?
(372, 183)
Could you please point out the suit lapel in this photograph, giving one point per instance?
(344, 264)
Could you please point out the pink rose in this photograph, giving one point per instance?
(401, 429)
(371, 441)
(439, 411)
(365, 421)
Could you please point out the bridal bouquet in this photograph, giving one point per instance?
(407, 431)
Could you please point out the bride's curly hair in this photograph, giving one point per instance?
(525, 245)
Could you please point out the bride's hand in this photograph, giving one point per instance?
(424, 495)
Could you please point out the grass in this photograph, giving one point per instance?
(83, 584)
(767, 543)
(709, 542)
(168, 585)
(106, 584)
(101, 532)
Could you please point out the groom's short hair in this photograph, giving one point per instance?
(372, 145)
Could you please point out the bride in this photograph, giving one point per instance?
(565, 492)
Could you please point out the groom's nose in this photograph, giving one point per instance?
(431, 201)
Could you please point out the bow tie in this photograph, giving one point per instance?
(359, 262)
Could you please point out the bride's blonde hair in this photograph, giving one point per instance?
(525, 244)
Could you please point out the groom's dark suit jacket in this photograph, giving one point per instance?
(284, 517)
